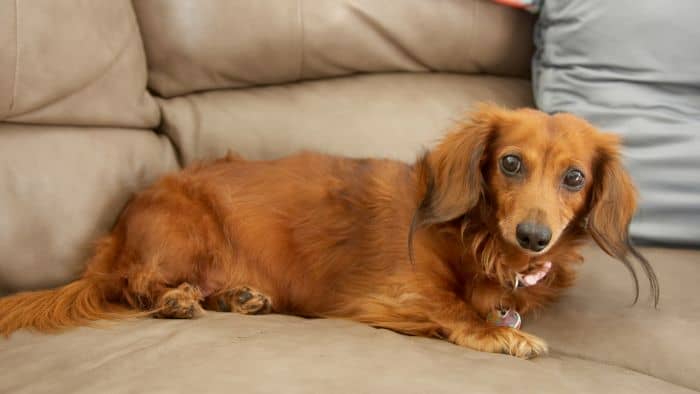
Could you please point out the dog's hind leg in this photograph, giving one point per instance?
(182, 302)
(241, 299)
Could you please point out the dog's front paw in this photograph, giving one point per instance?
(501, 340)
(521, 344)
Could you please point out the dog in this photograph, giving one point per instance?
(429, 249)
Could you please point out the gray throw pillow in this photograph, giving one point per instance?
(633, 67)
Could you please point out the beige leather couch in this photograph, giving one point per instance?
(98, 98)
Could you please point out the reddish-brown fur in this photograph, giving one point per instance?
(325, 236)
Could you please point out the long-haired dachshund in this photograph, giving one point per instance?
(489, 220)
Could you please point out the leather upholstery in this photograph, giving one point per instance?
(75, 74)
(381, 115)
(219, 44)
(61, 188)
(72, 62)
(94, 106)
(598, 343)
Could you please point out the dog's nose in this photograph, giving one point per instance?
(533, 236)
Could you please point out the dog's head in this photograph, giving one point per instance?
(534, 179)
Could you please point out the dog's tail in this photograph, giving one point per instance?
(93, 297)
(75, 304)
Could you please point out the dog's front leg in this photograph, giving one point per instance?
(462, 325)
(497, 340)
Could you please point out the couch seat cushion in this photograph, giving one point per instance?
(613, 348)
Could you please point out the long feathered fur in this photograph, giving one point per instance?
(427, 249)
(77, 303)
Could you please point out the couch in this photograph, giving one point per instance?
(98, 99)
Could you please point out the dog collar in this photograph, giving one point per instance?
(510, 317)
(504, 318)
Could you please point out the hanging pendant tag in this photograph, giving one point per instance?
(504, 318)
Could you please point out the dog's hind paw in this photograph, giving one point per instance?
(180, 303)
(242, 299)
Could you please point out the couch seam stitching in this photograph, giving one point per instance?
(300, 10)
(135, 18)
(472, 32)
(18, 43)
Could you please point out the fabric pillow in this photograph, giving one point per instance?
(528, 5)
(633, 67)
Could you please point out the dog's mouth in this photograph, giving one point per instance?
(531, 276)
(532, 253)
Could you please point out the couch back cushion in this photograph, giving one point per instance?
(75, 138)
(204, 45)
(73, 62)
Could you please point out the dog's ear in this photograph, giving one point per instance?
(613, 199)
(612, 205)
(450, 176)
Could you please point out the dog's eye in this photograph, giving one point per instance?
(511, 164)
(574, 180)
